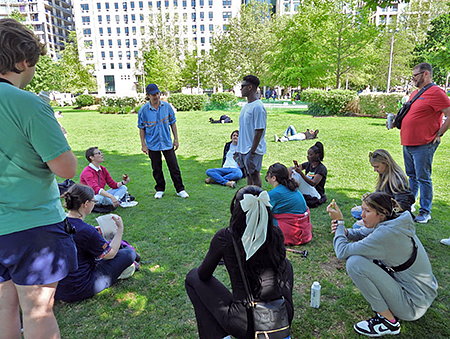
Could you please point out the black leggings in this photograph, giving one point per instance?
(216, 312)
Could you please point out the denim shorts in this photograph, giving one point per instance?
(38, 256)
(252, 162)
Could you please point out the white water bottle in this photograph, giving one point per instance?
(315, 294)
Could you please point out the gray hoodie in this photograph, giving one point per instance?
(390, 242)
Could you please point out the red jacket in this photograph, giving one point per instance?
(90, 177)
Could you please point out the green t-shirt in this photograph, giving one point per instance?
(30, 136)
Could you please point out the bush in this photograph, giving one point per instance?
(333, 102)
(188, 102)
(224, 100)
(84, 100)
(378, 104)
(121, 102)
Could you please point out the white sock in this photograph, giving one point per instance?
(227, 337)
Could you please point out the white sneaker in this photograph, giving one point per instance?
(159, 194)
(413, 208)
(445, 242)
(128, 203)
(128, 272)
(183, 194)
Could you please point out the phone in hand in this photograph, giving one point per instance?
(295, 163)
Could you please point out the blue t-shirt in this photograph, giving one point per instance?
(283, 200)
(156, 123)
(91, 246)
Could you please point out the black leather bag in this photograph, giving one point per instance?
(407, 105)
(270, 318)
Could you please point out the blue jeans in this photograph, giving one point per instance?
(291, 134)
(224, 174)
(418, 161)
(117, 192)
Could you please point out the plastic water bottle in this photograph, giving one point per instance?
(315, 294)
(390, 121)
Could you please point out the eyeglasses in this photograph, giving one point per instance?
(98, 153)
(242, 86)
(414, 75)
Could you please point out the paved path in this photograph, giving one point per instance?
(275, 105)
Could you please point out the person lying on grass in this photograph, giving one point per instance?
(290, 134)
(230, 171)
(387, 262)
(100, 263)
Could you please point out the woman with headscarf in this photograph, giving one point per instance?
(219, 312)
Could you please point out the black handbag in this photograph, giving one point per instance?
(270, 318)
(407, 105)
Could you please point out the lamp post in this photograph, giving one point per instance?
(390, 61)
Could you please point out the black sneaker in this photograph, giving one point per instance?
(377, 327)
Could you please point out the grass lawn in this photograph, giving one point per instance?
(173, 234)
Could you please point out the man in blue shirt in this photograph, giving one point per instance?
(155, 120)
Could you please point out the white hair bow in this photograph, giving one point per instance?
(256, 219)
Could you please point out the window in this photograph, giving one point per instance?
(135, 54)
(104, 66)
(133, 17)
(112, 65)
(120, 65)
(119, 42)
(210, 40)
(142, 30)
(141, 17)
(117, 18)
(158, 4)
(193, 16)
(210, 2)
(127, 30)
(127, 43)
(124, 6)
(141, 4)
(175, 3)
(226, 15)
(128, 55)
(84, 7)
(184, 16)
(225, 28)
(210, 15)
(87, 31)
(193, 3)
(118, 30)
(132, 4)
(150, 4)
(110, 86)
(102, 43)
(184, 3)
(226, 2)
(202, 40)
(125, 18)
(99, 6)
(89, 55)
(109, 30)
(107, 5)
(111, 54)
(85, 19)
(133, 30)
(202, 15)
(166, 3)
(116, 6)
(211, 28)
(120, 55)
(135, 42)
(99, 19)
(128, 65)
(202, 28)
(108, 18)
(110, 42)
(88, 43)
(103, 55)
(202, 2)
(194, 28)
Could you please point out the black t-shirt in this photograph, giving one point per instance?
(311, 172)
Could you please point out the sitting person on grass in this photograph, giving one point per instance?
(97, 177)
(311, 176)
(230, 172)
(289, 208)
(387, 263)
(290, 134)
(100, 264)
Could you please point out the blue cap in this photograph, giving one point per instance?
(152, 89)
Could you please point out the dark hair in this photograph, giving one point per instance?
(424, 66)
(271, 254)
(77, 195)
(318, 148)
(18, 43)
(383, 204)
(90, 153)
(235, 131)
(282, 174)
(252, 79)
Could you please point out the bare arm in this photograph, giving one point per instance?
(256, 139)
(312, 182)
(445, 126)
(115, 243)
(175, 136)
(143, 143)
(64, 166)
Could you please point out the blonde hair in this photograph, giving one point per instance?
(393, 178)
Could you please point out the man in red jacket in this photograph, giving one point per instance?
(97, 177)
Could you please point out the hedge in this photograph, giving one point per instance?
(188, 102)
(332, 102)
(378, 104)
(84, 100)
(223, 100)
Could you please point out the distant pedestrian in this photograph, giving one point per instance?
(274, 94)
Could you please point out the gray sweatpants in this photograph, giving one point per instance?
(381, 290)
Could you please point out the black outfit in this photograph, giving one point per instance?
(310, 172)
(220, 312)
(172, 164)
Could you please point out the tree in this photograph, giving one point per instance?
(243, 48)
(75, 77)
(48, 76)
